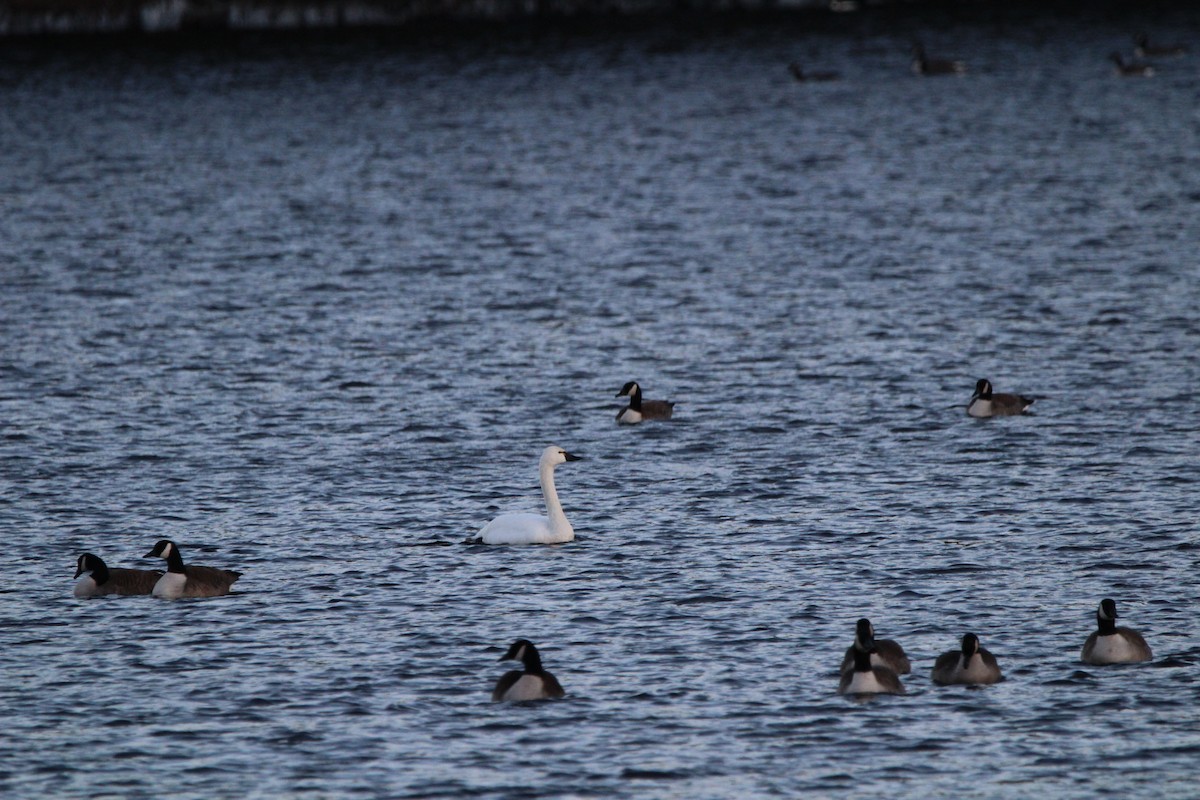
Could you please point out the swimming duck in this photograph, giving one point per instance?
(970, 665)
(1143, 48)
(189, 581)
(532, 683)
(886, 652)
(922, 65)
(866, 677)
(639, 409)
(95, 579)
(529, 528)
(986, 403)
(1110, 644)
(1132, 69)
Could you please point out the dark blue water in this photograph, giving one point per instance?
(307, 307)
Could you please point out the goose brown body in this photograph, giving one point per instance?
(94, 578)
(987, 403)
(865, 677)
(970, 665)
(640, 409)
(1111, 643)
(183, 580)
(531, 683)
(885, 652)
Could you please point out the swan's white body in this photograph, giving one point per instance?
(529, 528)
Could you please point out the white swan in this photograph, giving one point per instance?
(527, 528)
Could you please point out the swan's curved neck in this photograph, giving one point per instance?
(554, 511)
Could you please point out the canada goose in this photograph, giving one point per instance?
(866, 678)
(1132, 69)
(970, 665)
(986, 403)
(1144, 49)
(1110, 644)
(193, 581)
(532, 683)
(639, 409)
(886, 652)
(528, 528)
(809, 77)
(95, 579)
(922, 65)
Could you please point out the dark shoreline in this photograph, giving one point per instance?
(208, 21)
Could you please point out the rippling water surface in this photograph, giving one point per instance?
(311, 308)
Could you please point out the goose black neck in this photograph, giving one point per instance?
(862, 659)
(100, 572)
(635, 398)
(175, 561)
(1107, 626)
(532, 661)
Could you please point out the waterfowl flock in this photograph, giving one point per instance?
(924, 66)
(869, 666)
(94, 578)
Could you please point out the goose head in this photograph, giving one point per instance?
(630, 389)
(1107, 610)
(983, 389)
(163, 549)
(864, 635)
(89, 563)
(970, 646)
(523, 650)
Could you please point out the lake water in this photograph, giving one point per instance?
(310, 306)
